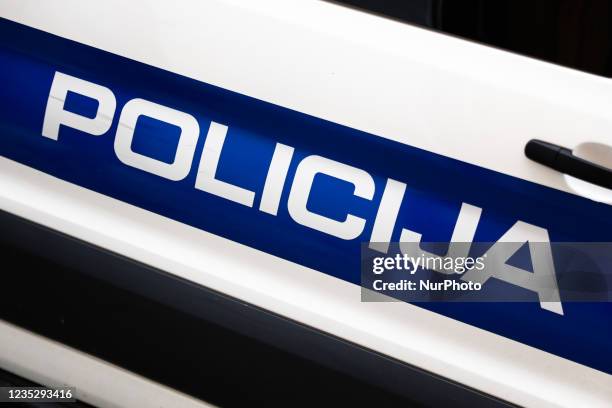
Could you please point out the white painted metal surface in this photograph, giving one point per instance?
(483, 360)
(446, 95)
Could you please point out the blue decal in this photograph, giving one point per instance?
(436, 185)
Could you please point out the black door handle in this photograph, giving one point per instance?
(562, 159)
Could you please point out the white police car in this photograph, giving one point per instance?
(250, 148)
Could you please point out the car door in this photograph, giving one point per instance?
(256, 146)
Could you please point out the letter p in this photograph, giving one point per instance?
(55, 115)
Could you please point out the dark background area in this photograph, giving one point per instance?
(572, 33)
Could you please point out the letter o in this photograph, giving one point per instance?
(188, 138)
